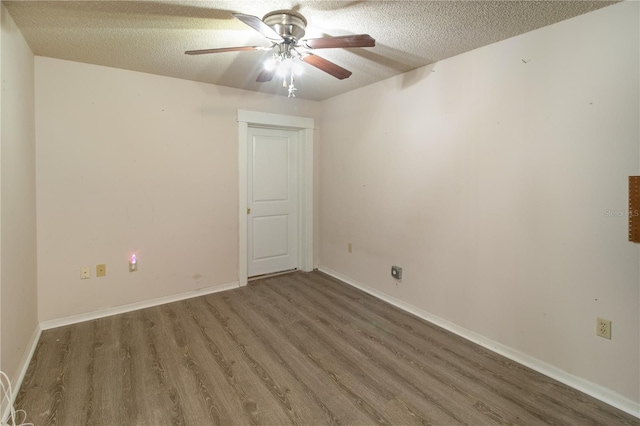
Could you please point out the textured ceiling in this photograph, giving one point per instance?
(151, 36)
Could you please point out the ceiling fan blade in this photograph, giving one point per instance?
(265, 76)
(326, 66)
(257, 24)
(223, 49)
(359, 40)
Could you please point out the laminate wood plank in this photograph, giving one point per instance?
(355, 355)
(273, 377)
(202, 386)
(37, 388)
(297, 349)
(374, 372)
(307, 377)
(268, 412)
(284, 386)
(268, 397)
(77, 387)
(342, 376)
(428, 359)
(411, 373)
(242, 402)
(354, 378)
(99, 406)
(160, 386)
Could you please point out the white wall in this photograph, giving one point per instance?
(497, 184)
(2, 12)
(18, 197)
(130, 162)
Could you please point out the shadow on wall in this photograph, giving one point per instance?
(392, 58)
(411, 65)
(415, 76)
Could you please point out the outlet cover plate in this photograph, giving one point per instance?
(85, 272)
(101, 270)
(396, 272)
(603, 328)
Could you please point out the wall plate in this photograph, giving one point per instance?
(396, 272)
(101, 270)
(85, 272)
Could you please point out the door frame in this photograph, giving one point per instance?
(304, 126)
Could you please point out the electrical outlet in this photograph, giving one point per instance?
(101, 270)
(85, 272)
(603, 328)
(349, 248)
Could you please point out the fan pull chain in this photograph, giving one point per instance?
(292, 87)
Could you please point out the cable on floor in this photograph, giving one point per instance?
(7, 396)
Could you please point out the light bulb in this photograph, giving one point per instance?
(284, 68)
(270, 64)
(133, 263)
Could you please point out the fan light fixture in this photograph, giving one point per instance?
(291, 27)
(284, 63)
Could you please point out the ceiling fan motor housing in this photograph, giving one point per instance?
(289, 24)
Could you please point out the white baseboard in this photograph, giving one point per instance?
(22, 371)
(88, 316)
(603, 394)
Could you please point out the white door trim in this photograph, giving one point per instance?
(304, 126)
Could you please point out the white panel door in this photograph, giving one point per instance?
(272, 201)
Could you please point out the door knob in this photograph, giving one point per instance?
(248, 211)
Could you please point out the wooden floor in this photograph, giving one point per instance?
(299, 349)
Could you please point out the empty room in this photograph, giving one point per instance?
(320, 212)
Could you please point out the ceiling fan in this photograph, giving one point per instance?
(285, 29)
